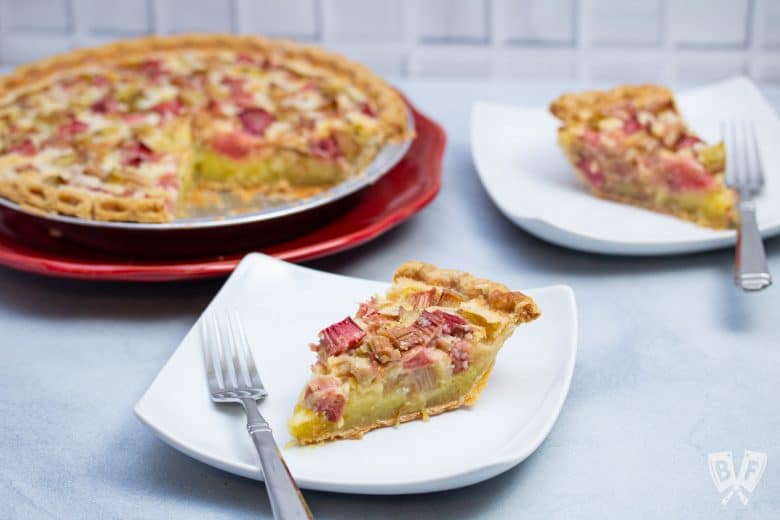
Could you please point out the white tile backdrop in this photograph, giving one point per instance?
(611, 40)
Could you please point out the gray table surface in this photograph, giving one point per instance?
(673, 363)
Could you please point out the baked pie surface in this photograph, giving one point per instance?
(124, 131)
(631, 144)
(424, 348)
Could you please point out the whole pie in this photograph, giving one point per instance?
(631, 144)
(123, 132)
(424, 348)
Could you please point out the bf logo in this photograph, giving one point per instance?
(728, 481)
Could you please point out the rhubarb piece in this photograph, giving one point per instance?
(340, 337)
(256, 121)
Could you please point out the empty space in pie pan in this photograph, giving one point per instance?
(219, 228)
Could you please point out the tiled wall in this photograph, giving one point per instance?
(662, 40)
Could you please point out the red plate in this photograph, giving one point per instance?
(398, 195)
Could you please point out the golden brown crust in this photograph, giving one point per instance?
(72, 202)
(391, 109)
(518, 307)
(576, 107)
(357, 433)
(31, 192)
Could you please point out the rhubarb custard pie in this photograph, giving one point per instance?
(424, 348)
(631, 144)
(123, 132)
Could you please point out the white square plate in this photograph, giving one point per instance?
(516, 154)
(283, 306)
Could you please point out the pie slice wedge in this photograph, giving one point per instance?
(424, 348)
(631, 145)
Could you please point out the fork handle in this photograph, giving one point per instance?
(286, 499)
(751, 272)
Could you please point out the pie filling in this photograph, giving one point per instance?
(116, 140)
(632, 145)
(418, 351)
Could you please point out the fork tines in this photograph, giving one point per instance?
(230, 366)
(744, 171)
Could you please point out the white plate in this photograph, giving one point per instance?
(518, 160)
(283, 306)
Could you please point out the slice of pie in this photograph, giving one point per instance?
(631, 144)
(424, 348)
(123, 131)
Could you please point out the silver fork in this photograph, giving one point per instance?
(745, 174)
(233, 378)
